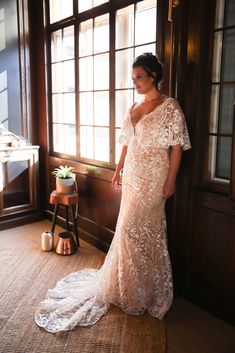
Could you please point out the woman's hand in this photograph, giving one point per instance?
(168, 189)
(117, 182)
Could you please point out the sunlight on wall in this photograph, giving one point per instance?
(2, 30)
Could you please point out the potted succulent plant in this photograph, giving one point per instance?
(65, 183)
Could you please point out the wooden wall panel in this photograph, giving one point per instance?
(213, 258)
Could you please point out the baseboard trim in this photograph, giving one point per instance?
(215, 308)
(19, 219)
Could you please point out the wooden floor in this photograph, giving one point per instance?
(189, 328)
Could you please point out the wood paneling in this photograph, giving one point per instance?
(202, 239)
(213, 258)
(38, 93)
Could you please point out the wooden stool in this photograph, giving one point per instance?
(65, 200)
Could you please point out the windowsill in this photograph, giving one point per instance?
(94, 171)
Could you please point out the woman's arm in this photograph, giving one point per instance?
(175, 159)
(116, 181)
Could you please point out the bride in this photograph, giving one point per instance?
(136, 274)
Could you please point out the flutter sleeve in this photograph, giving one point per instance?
(124, 136)
(177, 128)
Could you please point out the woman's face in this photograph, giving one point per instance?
(142, 82)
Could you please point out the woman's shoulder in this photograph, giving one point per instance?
(172, 104)
(172, 101)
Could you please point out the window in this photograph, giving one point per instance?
(3, 75)
(94, 88)
(90, 70)
(131, 41)
(60, 9)
(63, 91)
(222, 93)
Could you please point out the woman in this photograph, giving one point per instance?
(136, 275)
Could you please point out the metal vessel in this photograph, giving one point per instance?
(47, 241)
(66, 244)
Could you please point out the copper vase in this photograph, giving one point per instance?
(66, 244)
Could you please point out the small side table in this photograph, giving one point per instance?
(70, 200)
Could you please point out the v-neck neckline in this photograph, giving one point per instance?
(147, 114)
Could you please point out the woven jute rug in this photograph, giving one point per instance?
(27, 274)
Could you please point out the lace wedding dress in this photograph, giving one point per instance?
(136, 275)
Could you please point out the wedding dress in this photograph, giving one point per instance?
(136, 274)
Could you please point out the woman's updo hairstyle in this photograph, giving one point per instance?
(150, 64)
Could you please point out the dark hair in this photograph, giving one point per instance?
(150, 64)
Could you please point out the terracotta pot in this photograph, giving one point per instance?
(65, 186)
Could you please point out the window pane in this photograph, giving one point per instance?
(69, 108)
(223, 164)
(56, 46)
(124, 61)
(215, 90)
(228, 67)
(64, 140)
(68, 43)
(68, 76)
(101, 108)
(230, 13)
(150, 48)
(60, 9)
(57, 108)
(94, 143)
(86, 142)
(212, 156)
(57, 77)
(218, 38)
(125, 27)
(124, 100)
(145, 28)
(86, 108)
(101, 34)
(86, 38)
(86, 74)
(226, 115)
(101, 71)
(102, 144)
(98, 2)
(84, 5)
(219, 16)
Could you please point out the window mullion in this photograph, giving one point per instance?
(76, 62)
(112, 132)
